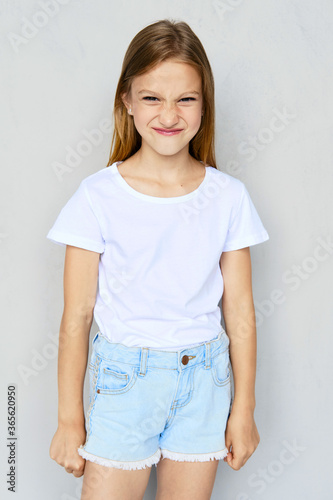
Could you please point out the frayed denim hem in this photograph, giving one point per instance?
(130, 465)
(189, 457)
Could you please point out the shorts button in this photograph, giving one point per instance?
(185, 359)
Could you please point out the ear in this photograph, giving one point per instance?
(126, 101)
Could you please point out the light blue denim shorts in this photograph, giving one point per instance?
(146, 404)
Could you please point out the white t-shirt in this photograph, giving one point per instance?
(159, 279)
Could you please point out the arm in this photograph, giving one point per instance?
(239, 315)
(80, 287)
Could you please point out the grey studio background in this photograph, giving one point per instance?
(273, 68)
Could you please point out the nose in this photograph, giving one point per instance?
(169, 116)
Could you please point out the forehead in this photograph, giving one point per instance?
(170, 74)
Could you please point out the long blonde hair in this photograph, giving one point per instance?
(156, 43)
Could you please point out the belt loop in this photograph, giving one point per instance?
(143, 361)
(207, 355)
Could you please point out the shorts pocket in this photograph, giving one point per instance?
(116, 377)
(220, 369)
(92, 374)
(92, 361)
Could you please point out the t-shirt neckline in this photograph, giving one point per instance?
(157, 199)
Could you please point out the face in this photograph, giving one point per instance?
(166, 105)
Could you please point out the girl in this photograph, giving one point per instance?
(153, 241)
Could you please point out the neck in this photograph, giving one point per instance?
(163, 166)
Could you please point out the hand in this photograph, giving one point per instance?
(64, 446)
(242, 434)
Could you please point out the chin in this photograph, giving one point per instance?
(168, 152)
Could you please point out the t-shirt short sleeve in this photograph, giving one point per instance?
(77, 223)
(245, 227)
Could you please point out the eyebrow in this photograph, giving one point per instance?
(156, 93)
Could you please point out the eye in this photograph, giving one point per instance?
(150, 98)
(188, 99)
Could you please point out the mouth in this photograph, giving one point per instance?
(168, 132)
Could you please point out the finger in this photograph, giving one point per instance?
(234, 462)
(228, 447)
(78, 470)
(67, 469)
(78, 473)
